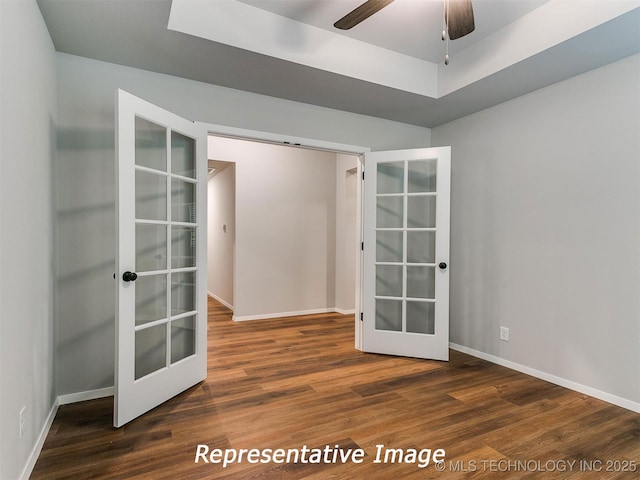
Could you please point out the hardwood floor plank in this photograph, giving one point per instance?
(298, 382)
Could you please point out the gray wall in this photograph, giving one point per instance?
(545, 229)
(85, 172)
(27, 145)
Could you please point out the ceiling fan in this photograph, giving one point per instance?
(457, 19)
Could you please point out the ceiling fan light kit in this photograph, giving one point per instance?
(457, 19)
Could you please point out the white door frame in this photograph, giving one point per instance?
(293, 141)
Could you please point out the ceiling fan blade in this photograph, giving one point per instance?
(459, 18)
(361, 13)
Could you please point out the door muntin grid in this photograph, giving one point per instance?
(405, 231)
(165, 247)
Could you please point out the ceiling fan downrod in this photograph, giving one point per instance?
(445, 31)
(458, 22)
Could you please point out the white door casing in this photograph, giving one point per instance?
(161, 346)
(406, 253)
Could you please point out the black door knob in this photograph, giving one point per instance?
(442, 265)
(129, 276)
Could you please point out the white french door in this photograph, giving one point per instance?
(161, 311)
(406, 253)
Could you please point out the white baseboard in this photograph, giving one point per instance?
(61, 400)
(282, 314)
(344, 312)
(88, 395)
(216, 297)
(563, 382)
(37, 448)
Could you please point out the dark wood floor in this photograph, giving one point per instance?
(298, 381)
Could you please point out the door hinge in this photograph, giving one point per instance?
(362, 246)
(361, 316)
(362, 174)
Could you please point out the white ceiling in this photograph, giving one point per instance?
(412, 27)
(390, 66)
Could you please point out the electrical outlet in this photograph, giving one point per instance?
(22, 421)
(504, 334)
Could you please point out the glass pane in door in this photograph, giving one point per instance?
(421, 211)
(183, 338)
(421, 247)
(389, 315)
(389, 280)
(421, 282)
(183, 201)
(151, 145)
(390, 177)
(183, 292)
(389, 246)
(151, 298)
(422, 176)
(183, 158)
(151, 247)
(183, 247)
(151, 196)
(390, 212)
(421, 317)
(151, 348)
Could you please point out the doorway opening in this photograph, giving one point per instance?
(221, 212)
(284, 228)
